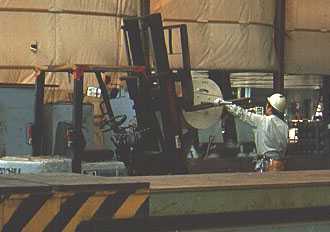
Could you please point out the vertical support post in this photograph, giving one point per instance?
(38, 111)
(239, 92)
(77, 111)
(222, 79)
(280, 19)
(326, 107)
(247, 92)
(326, 98)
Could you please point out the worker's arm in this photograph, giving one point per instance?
(248, 117)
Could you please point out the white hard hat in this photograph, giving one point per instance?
(277, 101)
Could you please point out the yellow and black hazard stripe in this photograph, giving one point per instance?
(65, 211)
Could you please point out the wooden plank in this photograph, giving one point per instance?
(180, 182)
(235, 180)
(9, 184)
(65, 182)
(72, 182)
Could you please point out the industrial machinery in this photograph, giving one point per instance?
(75, 141)
(311, 138)
(18, 133)
(170, 107)
(168, 102)
(16, 102)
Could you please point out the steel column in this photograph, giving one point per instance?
(326, 98)
(37, 136)
(77, 111)
(278, 75)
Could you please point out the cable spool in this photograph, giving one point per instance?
(205, 91)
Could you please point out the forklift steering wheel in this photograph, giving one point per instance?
(113, 122)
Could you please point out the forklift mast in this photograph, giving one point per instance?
(169, 130)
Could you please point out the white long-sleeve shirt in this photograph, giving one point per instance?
(270, 132)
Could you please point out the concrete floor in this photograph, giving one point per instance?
(295, 227)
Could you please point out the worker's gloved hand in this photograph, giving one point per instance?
(218, 101)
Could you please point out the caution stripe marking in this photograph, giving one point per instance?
(66, 211)
(111, 204)
(131, 205)
(25, 211)
(47, 212)
(86, 211)
(9, 209)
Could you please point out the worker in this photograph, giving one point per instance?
(270, 132)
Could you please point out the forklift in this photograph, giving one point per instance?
(168, 101)
(169, 104)
(72, 141)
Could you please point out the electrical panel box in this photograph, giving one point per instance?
(62, 112)
(16, 117)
